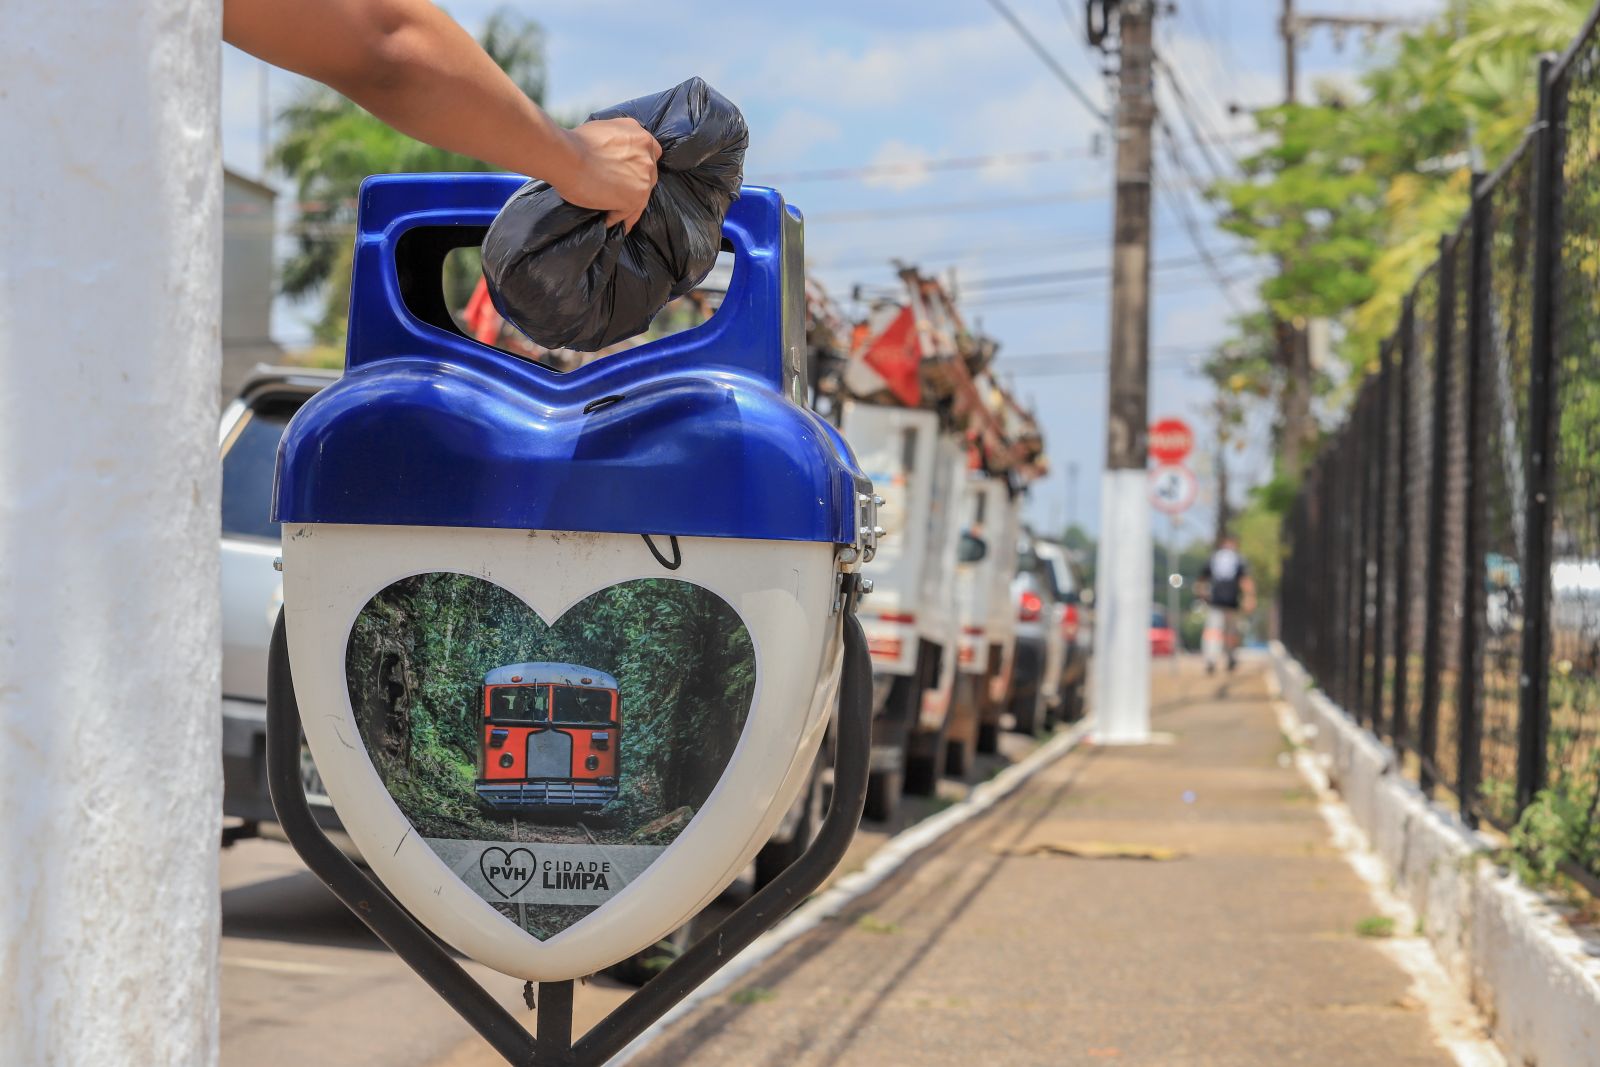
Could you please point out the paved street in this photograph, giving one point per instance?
(1044, 933)
(303, 982)
(1173, 904)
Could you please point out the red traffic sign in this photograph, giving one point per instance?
(1170, 441)
(1173, 489)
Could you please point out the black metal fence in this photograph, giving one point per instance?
(1443, 579)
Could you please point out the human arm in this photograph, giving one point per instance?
(412, 66)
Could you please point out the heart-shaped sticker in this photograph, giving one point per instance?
(506, 872)
(548, 765)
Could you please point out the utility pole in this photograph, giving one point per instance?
(1072, 495)
(1124, 559)
(1220, 461)
(1293, 346)
(1294, 354)
(110, 780)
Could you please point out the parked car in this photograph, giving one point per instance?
(1163, 638)
(252, 594)
(987, 559)
(1038, 642)
(1064, 681)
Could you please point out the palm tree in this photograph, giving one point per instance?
(329, 144)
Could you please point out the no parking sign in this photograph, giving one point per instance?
(1173, 489)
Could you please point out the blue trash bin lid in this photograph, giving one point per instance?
(697, 434)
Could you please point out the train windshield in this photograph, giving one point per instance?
(582, 705)
(519, 703)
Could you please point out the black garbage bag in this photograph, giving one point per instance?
(561, 276)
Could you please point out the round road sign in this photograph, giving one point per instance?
(1172, 488)
(1170, 441)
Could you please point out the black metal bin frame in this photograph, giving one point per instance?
(552, 1044)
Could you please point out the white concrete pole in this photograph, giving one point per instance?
(1123, 584)
(1123, 568)
(110, 250)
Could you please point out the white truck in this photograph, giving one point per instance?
(988, 561)
(910, 618)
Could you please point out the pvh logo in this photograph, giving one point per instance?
(507, 872)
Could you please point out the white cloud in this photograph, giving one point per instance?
(932, 68)
(792, 137)
(903, 166)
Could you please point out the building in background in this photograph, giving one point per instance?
(247, 279)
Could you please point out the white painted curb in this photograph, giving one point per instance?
(1504, 947)
(883, 863)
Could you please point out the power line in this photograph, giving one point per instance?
(889, 170)
(1044, 277)
(1223, 71)
(1176, 201)
(1045, 245)
(1068, 372)
(1188, 111)
(1006, 362)
(1076, 294)
(1049, 61)
(959, 207)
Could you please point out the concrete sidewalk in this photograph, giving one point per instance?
(1002, 946)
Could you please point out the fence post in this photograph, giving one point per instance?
(1364, 436)
(1314, 599)
(1469, 702)
(1403, 533)
(1380, 547)
(1533, 705)
(1350, 699)
(1438, 479)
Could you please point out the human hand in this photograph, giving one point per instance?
(615, 169)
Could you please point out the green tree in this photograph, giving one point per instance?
(1353, 192)
(329, 144)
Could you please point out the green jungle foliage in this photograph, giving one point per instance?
(685, 670)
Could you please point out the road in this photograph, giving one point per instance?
(303, 982)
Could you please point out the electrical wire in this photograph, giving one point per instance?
(1185, 363)
(1049, 60)
(889, 170)
(1032, 248)
(1044, 277)
(1188, 112)
(1094, 356)
(1091, 294)
(959, 207)
(1176, 202)
(1224, 71)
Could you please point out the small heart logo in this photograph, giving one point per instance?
(506, 872)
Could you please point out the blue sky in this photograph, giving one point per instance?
(831, 84)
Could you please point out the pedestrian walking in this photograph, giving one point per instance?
(1228, 589)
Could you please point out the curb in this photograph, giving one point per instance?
(883, 863)
(1503, 946)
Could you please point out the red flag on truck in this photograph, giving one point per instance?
(481, 315)
(896, 355)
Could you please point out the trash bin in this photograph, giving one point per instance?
(565, 645)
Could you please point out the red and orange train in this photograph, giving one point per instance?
(551, 735)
